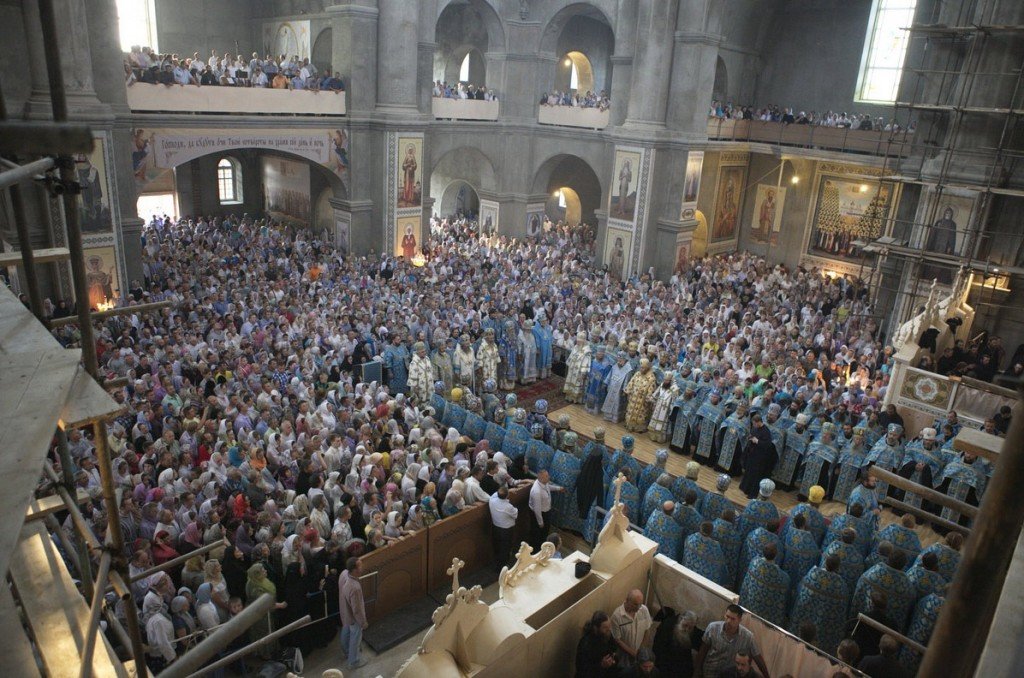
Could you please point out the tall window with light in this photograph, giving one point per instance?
(464, 70)
(136, 23)
(885, 48)
(229, 181)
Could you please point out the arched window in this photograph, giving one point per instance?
(561, 193)
(229, 181)
(881, 65)
(136, 21)
(464, 69)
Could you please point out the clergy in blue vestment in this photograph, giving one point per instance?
(890, 579)
(852, 459)
(544, 337)
(662, 528)
(800, 551)
(437, 400)
(816, 523)
(798, 437)
(922, 623)
(687, 514)
(704, 555)
(923, 463)
(454, 412)
(715, 503)
(651, 472)
(685, 421)
(538, 453)
(962, 479)
(851, 560)
(903, 537)
(517, 436)
(765, 588)
(623, 458)
(475, 426)
(709, 418)
(597, 388)
(687, 482)
(760, 512)
(727, 534)
(615, 382)
(540, 416)
(565, 471)
(887, 453)
(491, 401)
(732, 439)
(396, 359)
(495, 432)
(853, 518)
(656, 495)
(948, 554)
(818, 460)
(508, 350)
(755, 543)
(865, 493)
(926, 578)
(821, 599)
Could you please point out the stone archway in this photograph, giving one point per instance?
(457, 168)
(579, 36)
(459, 197)
(463, 28)
(579, 183)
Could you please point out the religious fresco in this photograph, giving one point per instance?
(625, 181)
(410, 172)
(845, 211)
(489, 216)
(947, 233)
(408, 238)
(290, 38)
(342, 227)
(681, 262)
(618, 244)
(286, 188)
(94, 203)
(691, 184)
(101, 277)
(534, 219)
(769, 202)
(728, 200)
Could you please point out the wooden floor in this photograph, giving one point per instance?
(584, 423)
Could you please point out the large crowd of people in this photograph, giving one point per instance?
(142, 64)
(773, 113)
(576, 99)
(247, 419)
(462, 90)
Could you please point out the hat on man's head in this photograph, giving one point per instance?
(929, 434)
(816, 494)
(628, 442)
(692, 470)
(766, 487)
(722, 482)
(599, 434)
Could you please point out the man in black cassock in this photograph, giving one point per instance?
(759, 458)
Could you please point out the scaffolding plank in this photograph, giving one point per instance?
(19, 329)
(87, 402)
(978, 443)
(40, 256)
(15, 647)
(33, 389)
(56, 612)
(40, 508)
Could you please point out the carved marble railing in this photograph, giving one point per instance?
(143, 97)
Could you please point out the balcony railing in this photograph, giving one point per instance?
(572, 116)
(144, 97)
(875, 142)
(464, 109)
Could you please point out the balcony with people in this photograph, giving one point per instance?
(228, 83)
(581, 42)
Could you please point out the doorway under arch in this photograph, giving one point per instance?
(564, 204)
(459, 197)
(575, 73)
(322, 55)
(572, 187)
(580, 38)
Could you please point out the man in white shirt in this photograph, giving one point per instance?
(540, 507)
(503, 518)
(475, 493)
(630, 623)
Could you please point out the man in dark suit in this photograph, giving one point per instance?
(884, 664)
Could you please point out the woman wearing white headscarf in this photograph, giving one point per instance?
(159, 632)
(409, 479)
(393, 529)
(183, 622)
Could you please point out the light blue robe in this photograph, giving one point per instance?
(962, 478)
(728, 535)
(681, 485)
(949, 559)
(714, 505)
(755, 543)
(927, 582)
(817, 465)
(689, 519)
(705, 556)
(648, 476)
(733, 434)
(538, 455)
(922, 623)
(620, 460)
(685, 423)
(663, 529)
(495, 435)
(889, 457)
(801, 553)
(816, 524)
(902, 538)
(544, 338)
(758, 513)
(859, 525)
(614, 401)
(851, 460)
(765, 591)
(851, 562)
(710, 417)
(475, 426)
(821, 599)
(565, 471)
(596, 389)
(654, 498)
(895, 584)
(396, 360)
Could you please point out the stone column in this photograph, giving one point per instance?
(354, 32)
(398, 56)
(622, 60)
(648, 101)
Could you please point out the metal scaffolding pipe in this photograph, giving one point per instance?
(966, 617)
(28, 260)
(256, 644)
(194, 659)
(25, 172)
(180, 560)
(95, 608)
(109, 313)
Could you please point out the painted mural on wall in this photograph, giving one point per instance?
(408, 238)
(625, 180)
(691, 184)
(727, 202)
(947, 233)
(489, 211)
(286, 188)
(410, 172)
(682, 258)
(767, 217)
(101, 278)
(618, 244)
(847, 210)
(157, 150)
(290, 38)
(94, 201)
(534, 219)
(342, 226)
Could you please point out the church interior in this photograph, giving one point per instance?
(487, 338)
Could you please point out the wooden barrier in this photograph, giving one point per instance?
(401, 569)
(874, 142)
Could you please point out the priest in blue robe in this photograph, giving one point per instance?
(765, 588)
(662, 528)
